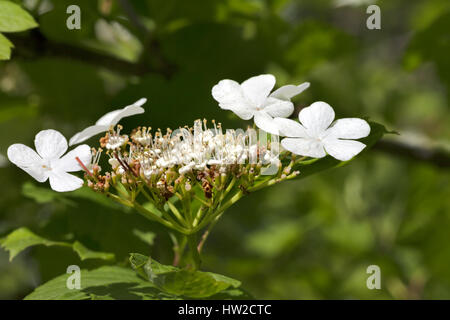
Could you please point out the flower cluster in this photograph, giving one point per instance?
(184, 161)
(186, 178)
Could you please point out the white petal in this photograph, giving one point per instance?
(62, 181)
(68, 163)
(108, 118)
(87, 133)
(28, 160)
(343, 149)
(227, 93)
(349, 128)
(37, 172)
(316, 118)
(23, 156)
(265, 122)
(50, 144)
(243, 112)
(289, 91)
(278, 108)
(230, 96)
(257, 89)
(130, 110)
(304, 147)
(113, 117)
(290, 128)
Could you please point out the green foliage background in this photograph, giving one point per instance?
(312, 238)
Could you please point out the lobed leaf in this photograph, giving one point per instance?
(86, 253)
(183, 282)
(22, 238)
(108, 282)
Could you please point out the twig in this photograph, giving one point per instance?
(35, 45)
(434, 156)
(133, 16)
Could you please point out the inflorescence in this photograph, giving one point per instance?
(208, 165)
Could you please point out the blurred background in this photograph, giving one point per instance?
(306, 239)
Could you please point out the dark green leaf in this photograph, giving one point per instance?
(22, 238)
(147, 237)
(182, 282)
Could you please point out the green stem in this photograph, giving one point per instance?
(178, 248)
(192, 242)
(263, 184)
(199, 215)
(220, 210)
(202, 201)
(177, 213)
(206, 233)
(154, 217)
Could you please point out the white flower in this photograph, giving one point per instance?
(47, 162)
(314, 137)
(110, 119)
(252, 98)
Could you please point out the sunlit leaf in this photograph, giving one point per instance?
(14, 19)
(86, 253)
(103, 283)
(21, 239)
(5, 48)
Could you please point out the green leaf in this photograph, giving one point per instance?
(181, 282)
(431, 44)
(14, 19)
(5, 48)
(86, 193)
(46, 195)
(43, 195)
(22, 238)
(86, 253)
(108, 282)
(313, 166)
(147, 237)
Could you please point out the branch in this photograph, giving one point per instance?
(435, 156)
(133, 16)
(149, 42)
(408, 145)
(35, 45)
